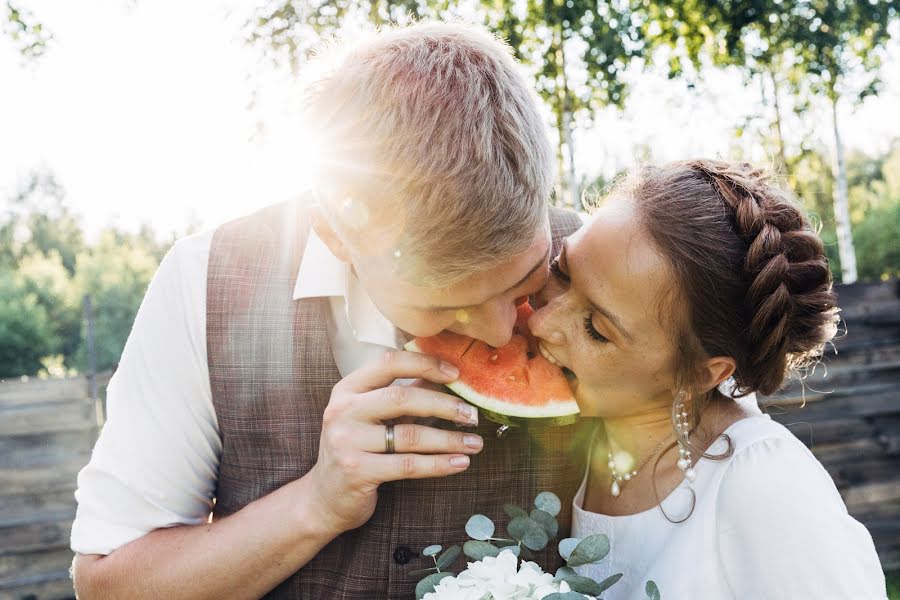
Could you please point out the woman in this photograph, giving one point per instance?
(695, 285)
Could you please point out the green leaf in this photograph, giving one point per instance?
(432, 550)
(547, 521)
(567, 546)
(563, 572)
(448, 557)
(514, 511)
(609, 582)
(548, 502)
(529, 532)
(583, 585)
(479, 527)
(590, 550)
(427, 584)
(477, 549)
(419, 572)
(517, 550)
(652, 590)
(566, 596)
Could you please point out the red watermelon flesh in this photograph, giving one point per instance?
(511, 381)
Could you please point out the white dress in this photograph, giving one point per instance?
(768, 523)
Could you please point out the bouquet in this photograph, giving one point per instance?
(500, 571)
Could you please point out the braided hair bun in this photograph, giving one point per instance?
(752, 271)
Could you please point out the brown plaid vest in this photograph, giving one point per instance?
(271, 369)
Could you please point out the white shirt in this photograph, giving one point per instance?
(768, 524)
(156, 461)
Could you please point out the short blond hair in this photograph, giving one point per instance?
(434, 122)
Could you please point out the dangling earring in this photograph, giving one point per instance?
(682, 430)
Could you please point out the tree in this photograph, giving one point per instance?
(26, 332)
(115, 274)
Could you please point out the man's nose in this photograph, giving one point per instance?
(494, 323)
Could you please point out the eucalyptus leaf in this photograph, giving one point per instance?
(590, 550)
(609, 582)
(547, 521)
(420, 572)
(514, 511)
(567, 545)
(583, 585)
(548, 502)
(427, 584)
(479, 527)
(563, 572)
(652, 590)
(432, 550)
(566, 596)
(529, 532)
(517, 550)
(477, 549)
(448, 557)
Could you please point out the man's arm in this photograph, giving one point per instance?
(244, 555)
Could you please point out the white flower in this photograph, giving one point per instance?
(498, 578)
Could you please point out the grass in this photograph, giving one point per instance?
(893, 584)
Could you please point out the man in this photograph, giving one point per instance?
(256, 383)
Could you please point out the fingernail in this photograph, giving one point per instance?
(449, 370)
(460, 461)
(472, 441)
(468, 414)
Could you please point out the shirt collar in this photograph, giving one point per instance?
(323, 275)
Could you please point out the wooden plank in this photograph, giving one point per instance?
(872, 493)
(16, 507)
(44, 449)
(48, 586)
(890, 557)
(43, 390)
(72, 415)
(25, 564)
(866, 401)
(862, 472)
(827, 431)
(850, 451)
(60, 476)
(30, 537)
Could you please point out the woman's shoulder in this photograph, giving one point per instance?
(769, 464)
(776, 506)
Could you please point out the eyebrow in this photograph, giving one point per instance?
(610, 316)
(543, 261)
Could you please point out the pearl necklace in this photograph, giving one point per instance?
(619, 479)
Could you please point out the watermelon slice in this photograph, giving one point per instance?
(513, 384)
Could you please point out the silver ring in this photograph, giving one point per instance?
(389, 438)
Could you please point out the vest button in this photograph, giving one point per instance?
(403, 554)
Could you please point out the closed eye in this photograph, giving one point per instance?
(557, 271)
(591, 331)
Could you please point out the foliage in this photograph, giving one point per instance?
(26, 331)
(47, 268)
(27, 33)
(526, 533)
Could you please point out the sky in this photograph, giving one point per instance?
(142, 111)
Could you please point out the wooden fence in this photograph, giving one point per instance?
(851, 420)
(47, 430)
(851, 416)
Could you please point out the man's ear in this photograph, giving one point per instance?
(717, 370)
(328, 235)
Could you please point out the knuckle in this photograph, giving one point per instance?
(389, 360)
(348, 464)
(395, 395)
(407, 466)
(409, 436)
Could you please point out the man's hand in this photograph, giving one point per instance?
(352, 461)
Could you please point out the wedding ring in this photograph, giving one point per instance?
(389, 439)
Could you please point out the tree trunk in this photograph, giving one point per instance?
(842, 205)
(778, 136)
(571, 181)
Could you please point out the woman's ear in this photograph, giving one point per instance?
(328, 235)
(716, 370)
